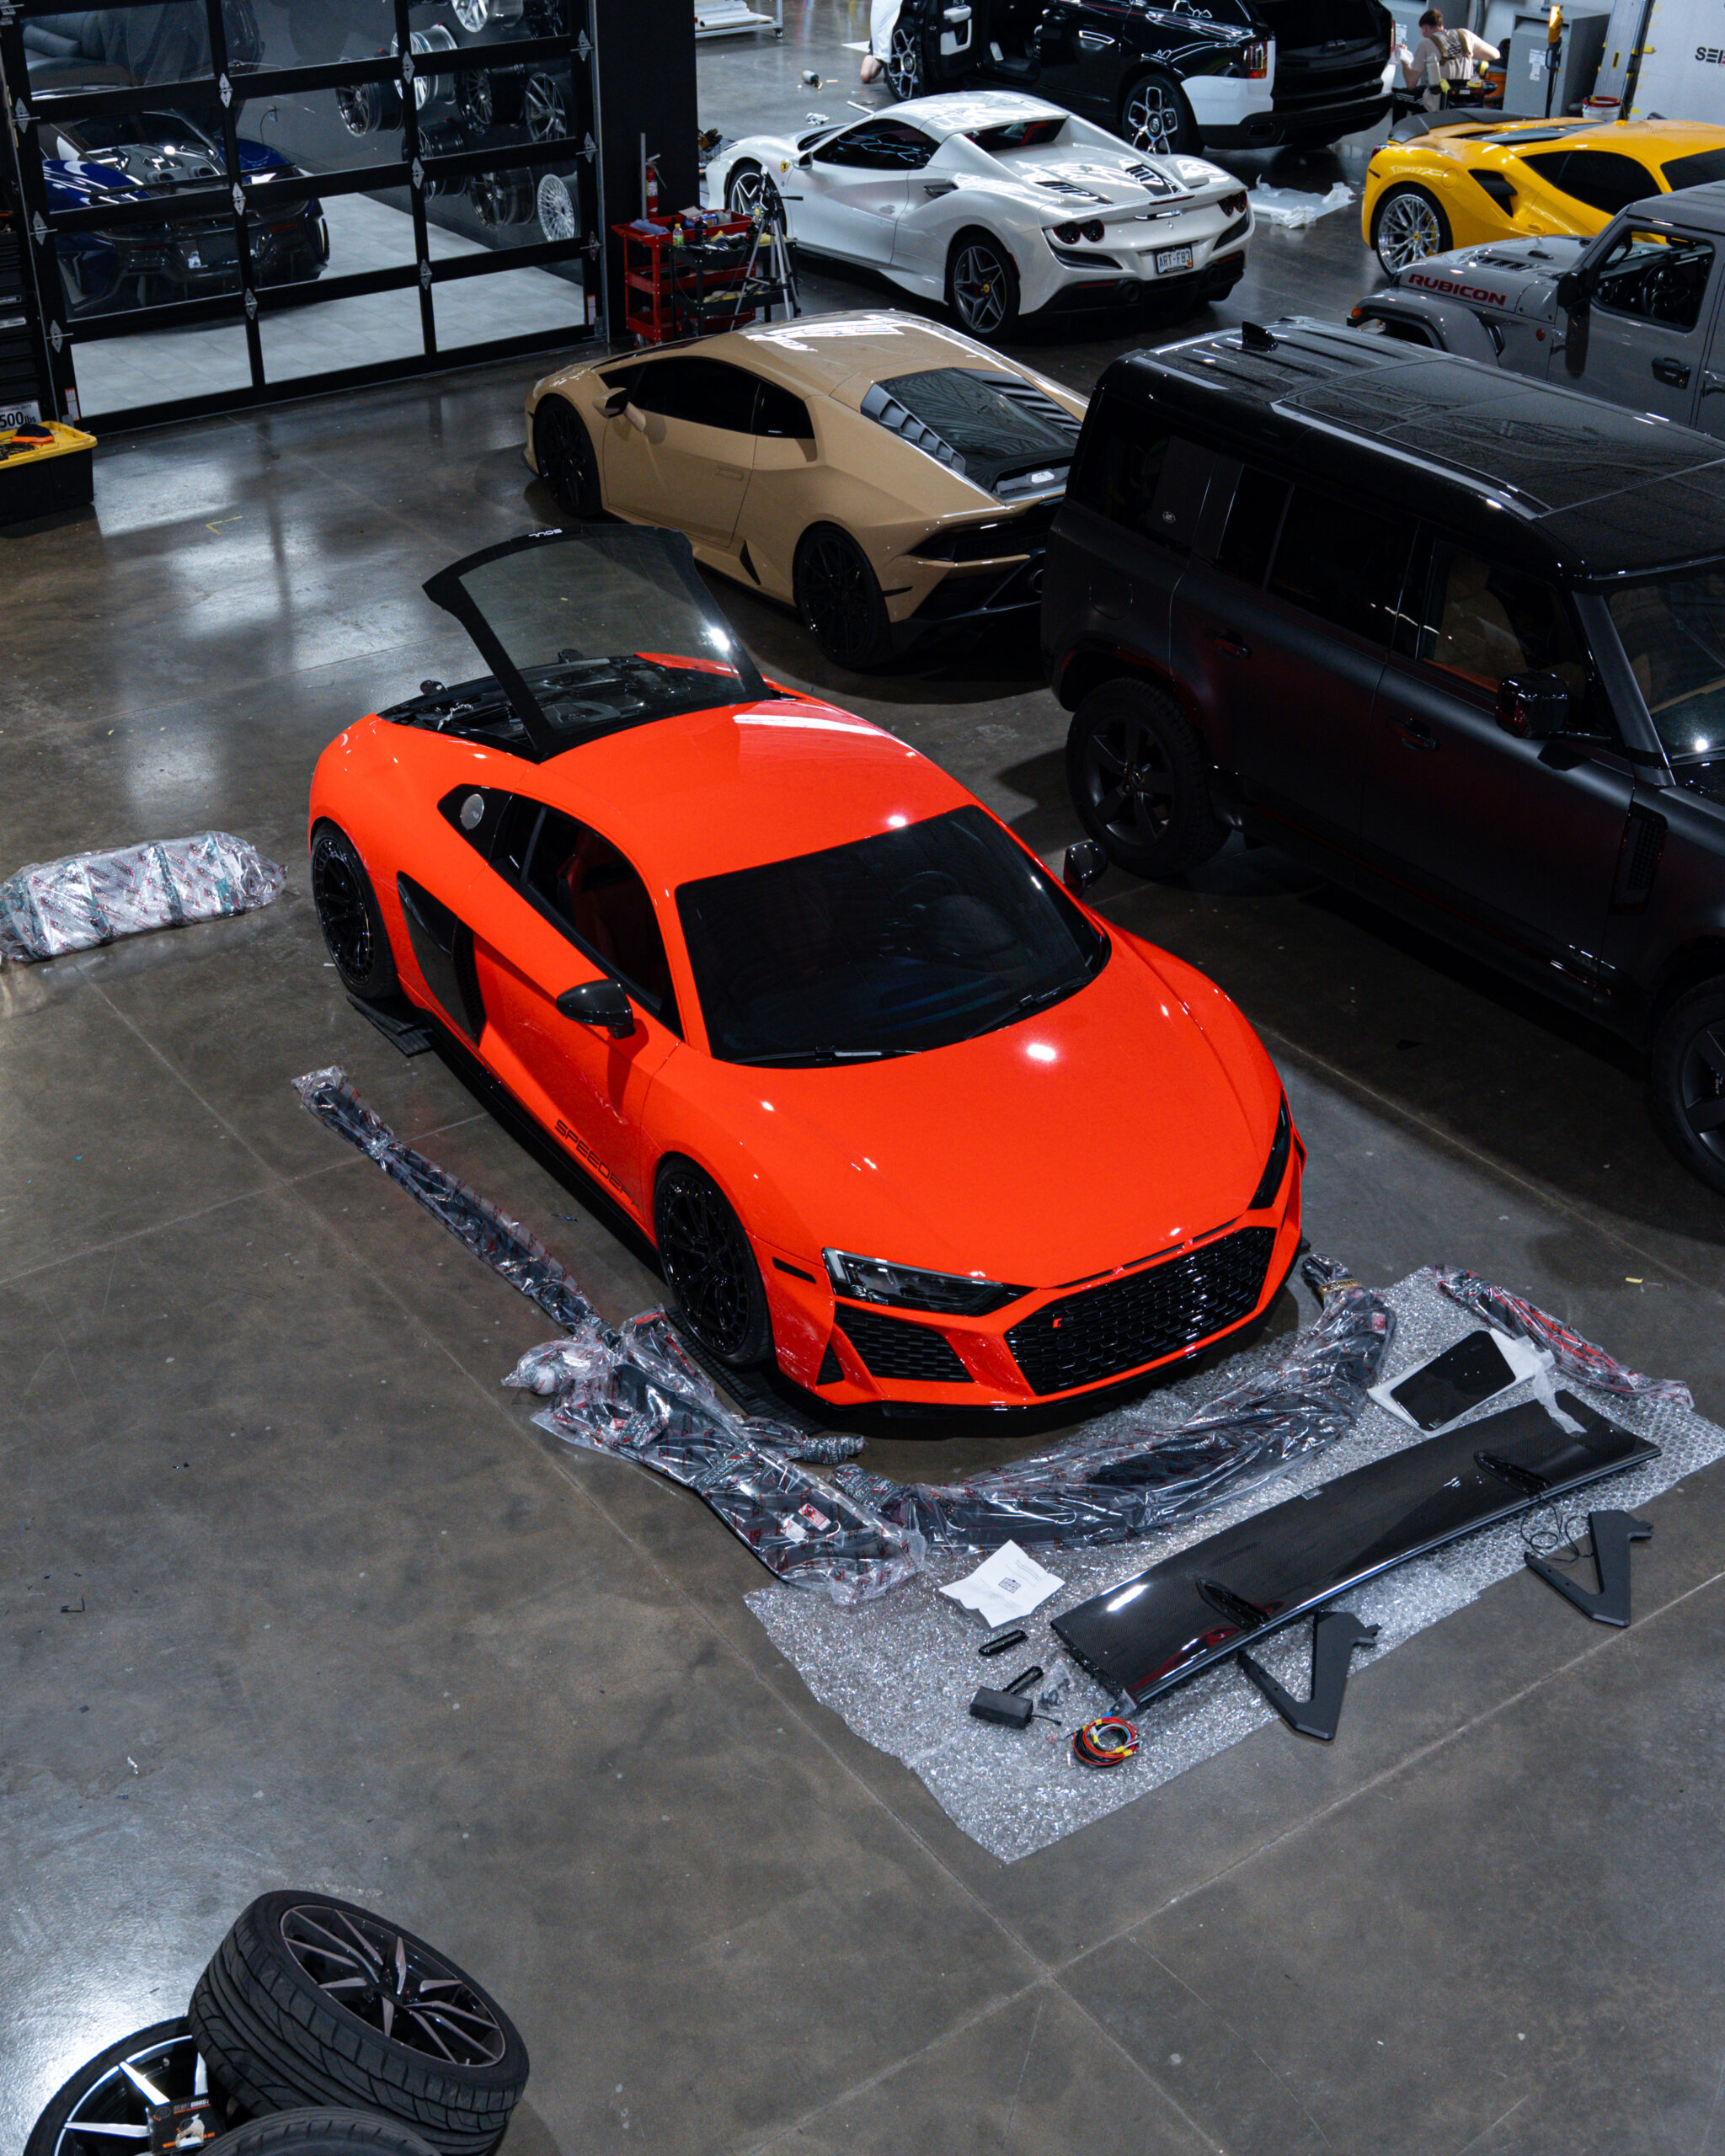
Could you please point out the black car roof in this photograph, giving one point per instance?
(1582, 488)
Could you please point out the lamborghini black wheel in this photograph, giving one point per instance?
(1137, 771)
(347, 913)
(838, 595)
(709, 1268)
(564, 455)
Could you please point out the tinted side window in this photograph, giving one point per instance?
(1484, 622)
(1343, 560)
(596, 897)
(707, 392)
(1605, 179)
(1249, 537)
(880, 146)
(1661, 277)
(1119, 465)
(777, 412)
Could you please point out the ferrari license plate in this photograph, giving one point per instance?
(1173, 258)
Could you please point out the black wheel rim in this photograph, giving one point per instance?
(706, 1263)
(391, 1983)
(545, 115)
(1152, 118)
(837, 599)
(342, 913)
(904, 67)
(980, 289)
(113, 2114)
(1130, 782)
(560, 442)
(1700, 1078)
(473, 95)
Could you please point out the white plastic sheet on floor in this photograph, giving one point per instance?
(901, 1672)
(1293, 211)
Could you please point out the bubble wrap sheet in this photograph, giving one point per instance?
(901, 1672)
(51, 907)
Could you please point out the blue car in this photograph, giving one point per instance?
(122, 158)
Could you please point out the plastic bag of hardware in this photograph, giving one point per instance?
(655, 1406)
(1576, 1357)
(1121, 1482)
(51, 907)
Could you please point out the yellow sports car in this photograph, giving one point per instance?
(883, 475)
(1443, 184)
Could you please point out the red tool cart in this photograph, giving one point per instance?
(700, 271)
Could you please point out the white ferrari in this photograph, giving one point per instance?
(1000, 205)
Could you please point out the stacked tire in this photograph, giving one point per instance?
(313, 2004)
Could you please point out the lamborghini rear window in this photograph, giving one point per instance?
(910, 939)
(998, 430)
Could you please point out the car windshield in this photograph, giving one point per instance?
(123, 130)
(909, 940)
(1673, 632)
(589, 630)
(998, 430)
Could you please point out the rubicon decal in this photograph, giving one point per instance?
(1458, 291)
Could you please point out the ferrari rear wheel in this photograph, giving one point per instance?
(709, 1267)
(1408, 227)
(750, 192)
(838, 595)
(1137, 771)
(1154, 117)
(347, 913)
(564, 455)
(982, 286)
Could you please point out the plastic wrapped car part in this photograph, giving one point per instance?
(54, 906)
(636, 1394)
(1576, 1359)
(655, 1406)
(1118, 1483)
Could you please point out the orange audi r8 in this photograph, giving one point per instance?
(895, 1107)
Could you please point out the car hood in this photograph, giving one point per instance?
(1137, 1113)
(1509, 277)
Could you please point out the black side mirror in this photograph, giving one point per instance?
(1533, 707)
(805, 161)
(1085, 861)
(1573, 290)
(599, 1003)
(616, 404)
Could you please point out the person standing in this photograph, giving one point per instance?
(1444, 61)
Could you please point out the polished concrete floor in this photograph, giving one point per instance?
(292, 1592)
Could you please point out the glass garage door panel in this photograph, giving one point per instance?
(151, 367)
(361, 330)
(511, 303)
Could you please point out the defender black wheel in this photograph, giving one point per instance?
(749, 191)
(982, 287)
(838, 595)
(1137, 771)
(322, 2133)
(709, 1268)
(563, 451)
(103, 2106)
(1408, 227)
(1686, 1081)
(311, 2002)
(1155, 116)
(904, 59)
(347, 913)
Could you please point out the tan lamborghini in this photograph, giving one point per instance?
(885, 476)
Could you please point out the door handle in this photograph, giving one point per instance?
(1415, 734)
(732, 471)
(1236, 647)
(1711, 383)
(1674, 372)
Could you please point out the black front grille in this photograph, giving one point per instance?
(892, 1347)
(1084, 1338)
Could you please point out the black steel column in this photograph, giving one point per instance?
(646, 62)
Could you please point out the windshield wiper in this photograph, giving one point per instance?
(829, 1054)
(1039, 998)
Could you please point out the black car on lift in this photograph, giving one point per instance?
(1231, 74)
(1455, 637)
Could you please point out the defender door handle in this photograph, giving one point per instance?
(732, 471)
(1711, 383)
(1415, 734)
(1235, 646)
(1671, 372)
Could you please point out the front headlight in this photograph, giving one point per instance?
(873, 1280)
(1277, 1165)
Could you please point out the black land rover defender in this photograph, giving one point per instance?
(1457, 638)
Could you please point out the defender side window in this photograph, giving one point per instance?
(1484, 622)
(1119, 467)
(1249, 537)
(1343, 560)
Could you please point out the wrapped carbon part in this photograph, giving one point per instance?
(1129, 1477)
(51, 907)
(655, 1406)
(1576, 1359)
(503, 1244)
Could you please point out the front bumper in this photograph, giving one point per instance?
(1064, 1342)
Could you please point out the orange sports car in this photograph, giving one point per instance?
(895, 1107)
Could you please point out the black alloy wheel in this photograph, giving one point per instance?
(502, 198)
(347, 913)
(474, 99)
(1137, 775)
(546, 107)
(1686, 1081)
(1154, 116)
(904, 59)
(839, 597)
(709, 1268)
(564, 455)
(312, 2001)
(750, 192)
(982, 287)
(106, 2105)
